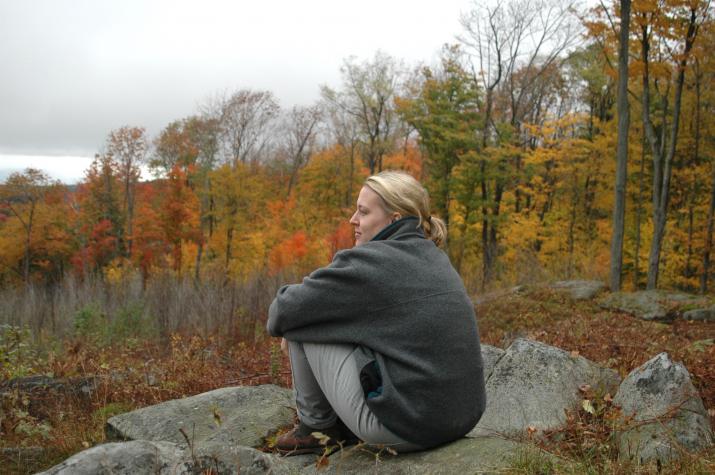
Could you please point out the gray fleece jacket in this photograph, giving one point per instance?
(399, 297)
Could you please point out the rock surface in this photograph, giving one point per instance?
(651, 304)
(533, 384)
(231, 416)
(468, 455)
(490, 356)
(580, 289)
(666, 410)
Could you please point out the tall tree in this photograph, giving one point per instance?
(22, 194)
(619, 207)
(300, 132)
(245, 118)
(367, 95)
(128, 146)
(99, 209)
(445, 113)
(678, 22)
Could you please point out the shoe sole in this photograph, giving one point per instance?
(309, 450)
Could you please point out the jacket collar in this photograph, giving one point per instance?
(403, 228)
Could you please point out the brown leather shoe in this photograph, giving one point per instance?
(300, 440)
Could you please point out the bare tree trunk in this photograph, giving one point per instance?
(708, 238)
(619, 207)
(662, 194)
(571, 236)
(351, 176)
(639, 215)
(689, 256)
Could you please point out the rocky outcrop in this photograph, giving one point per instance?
(662, 411)
(532, 386)
(652, 304)
(579, 289)
(230, 416)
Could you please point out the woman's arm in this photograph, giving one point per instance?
(335, 292)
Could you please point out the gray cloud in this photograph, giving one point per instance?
(74, 70)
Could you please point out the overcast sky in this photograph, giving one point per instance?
(72, 70)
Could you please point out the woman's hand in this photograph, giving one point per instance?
(284, 346)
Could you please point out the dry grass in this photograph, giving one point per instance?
(125, 379)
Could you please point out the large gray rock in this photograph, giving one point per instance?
(246, 414)
(701, 314)
(579, 289)
(490, 356)
(651, 304)
(666, 410)
(467, 455)
(533, 384)
(139, 457)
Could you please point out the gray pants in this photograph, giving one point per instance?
(327, 385)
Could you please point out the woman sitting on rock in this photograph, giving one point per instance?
(383, 342)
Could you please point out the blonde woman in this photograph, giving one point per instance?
(383, 342)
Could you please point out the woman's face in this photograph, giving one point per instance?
(370, 217)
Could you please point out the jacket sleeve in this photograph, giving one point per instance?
(329, 294)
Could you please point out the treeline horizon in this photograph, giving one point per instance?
(513, 133)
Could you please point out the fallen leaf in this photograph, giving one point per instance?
(584, 388)
(574, 353)
(587, 406)
(324, 439)
(608, 397)
(322, 462)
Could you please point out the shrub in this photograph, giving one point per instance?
(17, 356)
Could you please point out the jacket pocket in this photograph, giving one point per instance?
(369, 372)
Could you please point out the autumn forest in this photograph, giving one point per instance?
(514, 132)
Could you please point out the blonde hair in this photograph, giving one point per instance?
(401, 193)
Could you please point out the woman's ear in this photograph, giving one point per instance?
(396, 216)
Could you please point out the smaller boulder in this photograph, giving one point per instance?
(701, 314)
(128, 458)
(646, 304)
(139, 457)
(580, 289)
(662, 412)
(533, 384)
